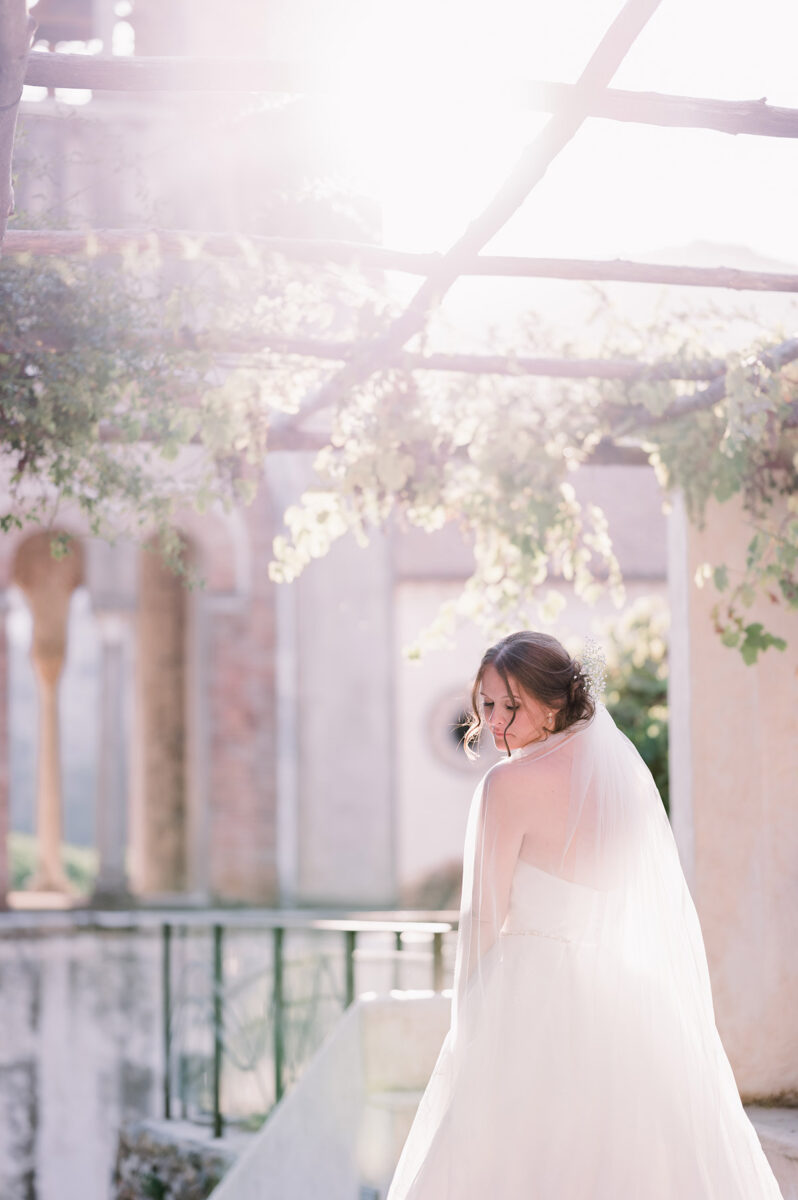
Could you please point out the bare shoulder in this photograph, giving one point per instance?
(514, 778)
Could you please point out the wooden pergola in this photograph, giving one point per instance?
(569, 106)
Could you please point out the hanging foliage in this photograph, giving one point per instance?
(114, 399)
(495, 455)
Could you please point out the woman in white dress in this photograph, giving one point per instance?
(583, 1061)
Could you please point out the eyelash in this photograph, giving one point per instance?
(509, 707)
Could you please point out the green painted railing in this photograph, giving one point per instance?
(274, 927)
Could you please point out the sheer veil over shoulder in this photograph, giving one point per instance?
(583, 1061)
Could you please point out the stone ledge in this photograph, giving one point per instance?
(172, 1160)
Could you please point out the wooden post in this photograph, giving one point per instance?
(16, 35)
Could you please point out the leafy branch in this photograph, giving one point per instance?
(118, 397)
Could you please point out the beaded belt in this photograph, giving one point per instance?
(541, 933)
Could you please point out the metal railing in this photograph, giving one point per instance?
(266, 1027)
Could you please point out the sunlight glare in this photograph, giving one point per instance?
(431, 123)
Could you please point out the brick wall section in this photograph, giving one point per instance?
(241, 682)
(160, 682)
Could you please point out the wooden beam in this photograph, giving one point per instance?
(624, 369)
(134, 74)
(253, 343)
(560, 368)
(190, 244)
(115, 73)
(530, 169)
(638, 418)
(287, 438)
(755, 117)
(625, 271)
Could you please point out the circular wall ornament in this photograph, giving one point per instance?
(447, 724)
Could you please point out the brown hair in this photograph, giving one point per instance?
(542, 668)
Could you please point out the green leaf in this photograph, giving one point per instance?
(757, 640)
(721, 578)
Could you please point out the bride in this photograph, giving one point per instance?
(583, 1061)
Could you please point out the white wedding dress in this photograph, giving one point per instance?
(583, 1061)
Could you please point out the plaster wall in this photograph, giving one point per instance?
(344, 727)
(735, 808)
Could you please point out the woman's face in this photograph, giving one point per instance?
(531, 717)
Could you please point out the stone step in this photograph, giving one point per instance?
(401, 1037)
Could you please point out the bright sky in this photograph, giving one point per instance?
(436, 158)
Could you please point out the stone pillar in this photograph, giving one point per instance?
(112, 776)
(48, 584)
(111, 577)
(345, 660)
(49, 874)
(734, 751)
(4, 757)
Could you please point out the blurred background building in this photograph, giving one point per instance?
(241, 742)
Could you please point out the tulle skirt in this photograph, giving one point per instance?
(569, 1081)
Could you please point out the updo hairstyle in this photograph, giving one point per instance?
(540, 666)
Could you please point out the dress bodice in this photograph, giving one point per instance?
(546, 904)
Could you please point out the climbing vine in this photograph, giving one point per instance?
(496, 456)
(127, 394)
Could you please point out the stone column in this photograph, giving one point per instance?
(49, 875)
(111, 579)
(734, 755)
(4, 756)
(345, 683)
(48, 583)
(112, 776)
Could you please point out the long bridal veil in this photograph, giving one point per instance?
(614, 1028)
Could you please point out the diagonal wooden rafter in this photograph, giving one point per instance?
(189, 244)
(530, 169)
(137, 74)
